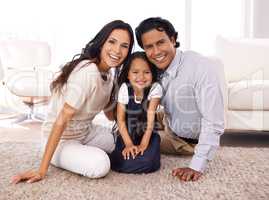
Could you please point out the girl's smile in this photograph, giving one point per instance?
(139, 75)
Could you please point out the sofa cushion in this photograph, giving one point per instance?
(244, 59)
(247, 120)
(248, 95)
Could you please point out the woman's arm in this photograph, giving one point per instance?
(153, 104)
(130, 148)
(109, 111)
(109, 115)
(59, 125)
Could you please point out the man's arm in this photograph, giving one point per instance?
(210, 100)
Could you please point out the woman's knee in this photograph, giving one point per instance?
(98, 164)
(81, 159)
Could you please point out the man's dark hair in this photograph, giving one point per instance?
(155, 23)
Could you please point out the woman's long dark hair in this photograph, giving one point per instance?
(92, 52)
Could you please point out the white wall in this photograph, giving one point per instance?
(69, 25)
(261, 18)
(215, 17)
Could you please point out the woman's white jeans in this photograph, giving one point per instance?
(88, 156)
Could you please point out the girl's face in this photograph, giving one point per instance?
(115, 49)
(139, 74)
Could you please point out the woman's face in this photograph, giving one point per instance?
(139, 75)
(115, 49)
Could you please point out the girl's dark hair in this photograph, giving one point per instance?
(92, 52)
(156, 23)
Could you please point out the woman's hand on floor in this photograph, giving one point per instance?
(128, 151)
(30, 176)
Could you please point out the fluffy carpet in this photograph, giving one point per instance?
(235, 173)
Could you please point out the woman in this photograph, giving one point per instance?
(82, 90)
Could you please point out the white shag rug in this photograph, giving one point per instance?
(235, 173)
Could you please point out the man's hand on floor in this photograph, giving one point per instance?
(187, 174)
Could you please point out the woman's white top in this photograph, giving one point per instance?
(85, 91)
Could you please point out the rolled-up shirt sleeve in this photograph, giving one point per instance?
(210, 102)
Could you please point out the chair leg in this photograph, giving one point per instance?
(30, 115)
(38, 117)
(21, 118)
(25, 116)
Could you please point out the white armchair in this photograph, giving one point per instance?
(22, 61)
(246, 66)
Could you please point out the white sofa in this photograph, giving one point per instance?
(246, 67)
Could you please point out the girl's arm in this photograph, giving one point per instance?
(59, 125)
(130, 148)
(153, 104)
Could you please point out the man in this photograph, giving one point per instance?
(193, 97)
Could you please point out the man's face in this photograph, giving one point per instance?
(160, 49)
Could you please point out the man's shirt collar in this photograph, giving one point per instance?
(171, 71)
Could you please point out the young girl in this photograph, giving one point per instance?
(138, 146)
(81, 91)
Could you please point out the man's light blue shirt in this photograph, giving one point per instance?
(193, 101)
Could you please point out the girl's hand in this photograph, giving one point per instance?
(142, 147)
(30, 176)
(144, 143)
(129, 150)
